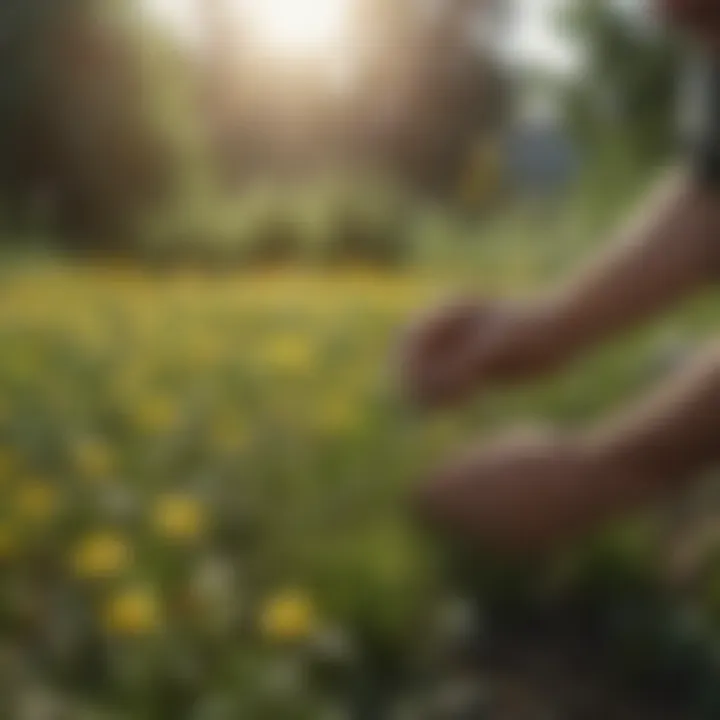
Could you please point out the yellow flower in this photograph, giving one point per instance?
(132, 613)
(289, 353)
(93, 458)
(179, 517)
(338, 416)
(288, 617)
(156, 415)
(101, 555)
(36, 501)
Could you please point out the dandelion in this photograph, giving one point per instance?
(156, 415)
(338, 416)
(289, 354)
(179, 517)
(101, 555)
(288, 617)
(134, 612)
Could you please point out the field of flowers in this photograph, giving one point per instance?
(204, 488)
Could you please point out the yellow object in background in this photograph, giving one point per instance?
(179, 517)
(288, 617)
(101, 555)
(482, 180)
(133, 612)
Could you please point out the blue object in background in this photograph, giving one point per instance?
(542, 160)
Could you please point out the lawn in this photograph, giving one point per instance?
(204, 485)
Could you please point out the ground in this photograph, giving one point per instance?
(205, 515)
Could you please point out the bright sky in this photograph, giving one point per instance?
(535, 40)
(178, 14)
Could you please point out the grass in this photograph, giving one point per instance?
(205, 479)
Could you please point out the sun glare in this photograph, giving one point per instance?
(297, 26)
(287, 27)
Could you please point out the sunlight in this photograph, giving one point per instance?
(280, 27)
(305, 27)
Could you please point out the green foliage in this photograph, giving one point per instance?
(628, 91)
(324, 224)
(105, 120)
(77, 134)
(230, 436)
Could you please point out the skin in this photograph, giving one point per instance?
(701, 17)
(526, 493)
(468, 343)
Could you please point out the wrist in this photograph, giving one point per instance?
(524, 341)
(633, 456)
(564, 333)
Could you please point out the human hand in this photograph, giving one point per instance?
(460, 345)
(528, 492)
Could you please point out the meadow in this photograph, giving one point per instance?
(205, 483)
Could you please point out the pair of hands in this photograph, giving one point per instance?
(523, 492)
(462, 345)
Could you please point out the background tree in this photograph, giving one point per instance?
(75, 105)
(627, 94)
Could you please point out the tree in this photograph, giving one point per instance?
(629, 87)
(74, 109)
(430, 89)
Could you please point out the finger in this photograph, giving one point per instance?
(431, 342)
(463, 370)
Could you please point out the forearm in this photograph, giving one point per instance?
(673, 435)
(670, 250)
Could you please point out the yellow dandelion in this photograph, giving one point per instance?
(289, 354)
(156, 415)
(36, 501)
(288, 617)
(338, 416)
(101, 555)
(93, 458)
(134, 612)
(179, 517)
(483, 178)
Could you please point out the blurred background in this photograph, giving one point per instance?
(160, 127)
(215, 217)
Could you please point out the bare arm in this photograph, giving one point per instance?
(670, 250)
(527, 493)
(675, 433)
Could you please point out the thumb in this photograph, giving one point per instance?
(454, 377)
